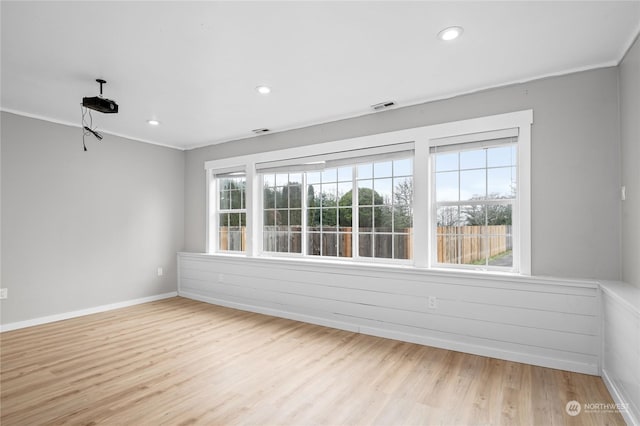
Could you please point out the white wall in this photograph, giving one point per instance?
(630, 136)
(548, 322)
(575, 164)
(621, 345)
(85, 229)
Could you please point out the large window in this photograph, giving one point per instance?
(451, 195)
(328, 220)
(475, 190)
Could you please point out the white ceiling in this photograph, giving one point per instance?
(195, 65)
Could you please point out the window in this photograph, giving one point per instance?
(232, 212)
(475, 190)
(385, 214)
(282, 205)
(327, 221)
(450, 195)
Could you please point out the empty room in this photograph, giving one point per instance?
(320, 213)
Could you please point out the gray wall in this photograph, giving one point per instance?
(84, 229)
(630, 135)
(575, 155)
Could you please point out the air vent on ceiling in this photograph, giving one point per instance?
(383, 105)
(260, 131)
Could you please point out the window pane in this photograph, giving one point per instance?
(344, 245)
(282, 179)
(269, 218)
(236, 242)
(447, 216)
(329, 194)
(295, 242)
(402, 246)
(365, 171)
(446, 162)
(476, 159)
(447, 186)
(269, 241)
(236, 199)
(499, 214)
(313, 177)
(365, 218)
(345, 174)
(295, 179)
(313, 219)
(329, 218)
(473, 184)
(448, 248)
(282, 197)
(382, 191)
(345, 219)
(344, 188)
(403, 167)
(381, 170)
(295, 196)
(365, 245)
(382, 219)
(314, 195)
(473, 249)
(329, 244)
(383, 245)
(313, 243)
(269, 198)
(282, 217)
(295, 217)
(224, 200)
(223, 219)
(473, 215)
(402, 219)
(269, 180)
(365, 193)
(502, 183)
(501, 156)
(282, 244)
(329, 175)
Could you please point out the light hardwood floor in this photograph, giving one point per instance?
(178, 362)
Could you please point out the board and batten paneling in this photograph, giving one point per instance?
(621, 346)
(540, 321)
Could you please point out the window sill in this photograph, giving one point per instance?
(365, 268)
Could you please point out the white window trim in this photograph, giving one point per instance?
(421, 136)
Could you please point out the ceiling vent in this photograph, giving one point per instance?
(260, 131)
(383, 105)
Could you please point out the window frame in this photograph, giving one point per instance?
(422, 138)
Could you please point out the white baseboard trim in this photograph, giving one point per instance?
(82, 312)
(465, 347)
(632, 419)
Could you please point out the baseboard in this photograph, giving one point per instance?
(465, 347)
(82, 312)
(632, 419)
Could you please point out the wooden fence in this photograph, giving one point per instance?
(234, 238)
(467, 244)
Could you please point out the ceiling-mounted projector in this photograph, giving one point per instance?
(99, 103)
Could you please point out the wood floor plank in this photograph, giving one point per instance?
(182, 362)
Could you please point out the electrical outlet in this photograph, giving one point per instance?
(432, 302)
(160, 271)
(4, 293)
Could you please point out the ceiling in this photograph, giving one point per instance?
(194, 66)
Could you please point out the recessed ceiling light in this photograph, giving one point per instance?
(450, 33)
(263, 90)
(153, 122)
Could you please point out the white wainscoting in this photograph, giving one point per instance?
(541, 321)
(621, 348)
